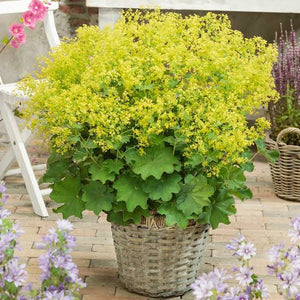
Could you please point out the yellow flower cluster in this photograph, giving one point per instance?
(155, 74)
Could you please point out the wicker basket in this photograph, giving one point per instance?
(286, 171)
(159, 262)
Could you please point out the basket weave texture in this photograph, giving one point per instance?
(159, 262)
(286, 171)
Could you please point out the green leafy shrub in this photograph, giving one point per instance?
(149, 117)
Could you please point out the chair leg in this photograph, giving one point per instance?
(9, 156)
(20, 152)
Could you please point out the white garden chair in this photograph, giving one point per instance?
(7, 98)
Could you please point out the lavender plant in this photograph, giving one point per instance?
(59, 273)
(286, 72)
(285, 266)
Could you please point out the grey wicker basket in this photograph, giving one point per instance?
(159, 262)
(286, 170)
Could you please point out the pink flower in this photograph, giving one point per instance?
(21, 39)
(29, 19)
(18, 40)
(16, 30)
(38, 9)
(14, 44)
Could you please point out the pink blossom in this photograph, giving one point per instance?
(29, 19)
(21, 39)
(16, 29)
(14, 44)
(38, 9)
(18, 40)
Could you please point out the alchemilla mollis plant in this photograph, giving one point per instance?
(150, 117)
(284, 264)
(59, 273)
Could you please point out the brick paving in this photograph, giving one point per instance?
(263, 220)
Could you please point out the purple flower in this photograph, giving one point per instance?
(261, 287)
(235, 243)
(232, 294)
(2, 187)
(15, 273)
(51, 237)
(243, 297)
(275, 252)
(4, 213)
(64, 225)
(294, 233)
(244, 276)
(293, 253)
(218, 277)
(56, 296)
(202, 287)
(290, 281)
(246, 251)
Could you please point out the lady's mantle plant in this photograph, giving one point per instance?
(285, 266)
(150, 117)
(60, 275)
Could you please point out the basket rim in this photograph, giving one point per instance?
(160, 228)
(281, 145)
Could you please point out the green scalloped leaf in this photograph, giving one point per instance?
(129, 190)
(194, 195)
(233, 177)
(163, 188)
(80, 155)
(121, 216)
(136, 215)
(107, 171)
(243, 193)
(67, 192)
(195, 159)
(154, 162)
(98, 197)
(57, 167)
(220, 209)
(248, 166)
(173, 215)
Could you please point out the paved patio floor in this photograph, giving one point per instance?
(264, 220)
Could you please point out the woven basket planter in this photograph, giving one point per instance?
(159, 262)
(286, 171)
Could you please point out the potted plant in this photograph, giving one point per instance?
(147, 122)
(285, 118)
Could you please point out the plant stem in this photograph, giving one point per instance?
(6, 44)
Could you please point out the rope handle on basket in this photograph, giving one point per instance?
(285, 131)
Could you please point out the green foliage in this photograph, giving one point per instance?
(129, 190)
(149, 117)
(194, 195)
(271, 155)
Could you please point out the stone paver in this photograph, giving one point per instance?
(263, 220)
